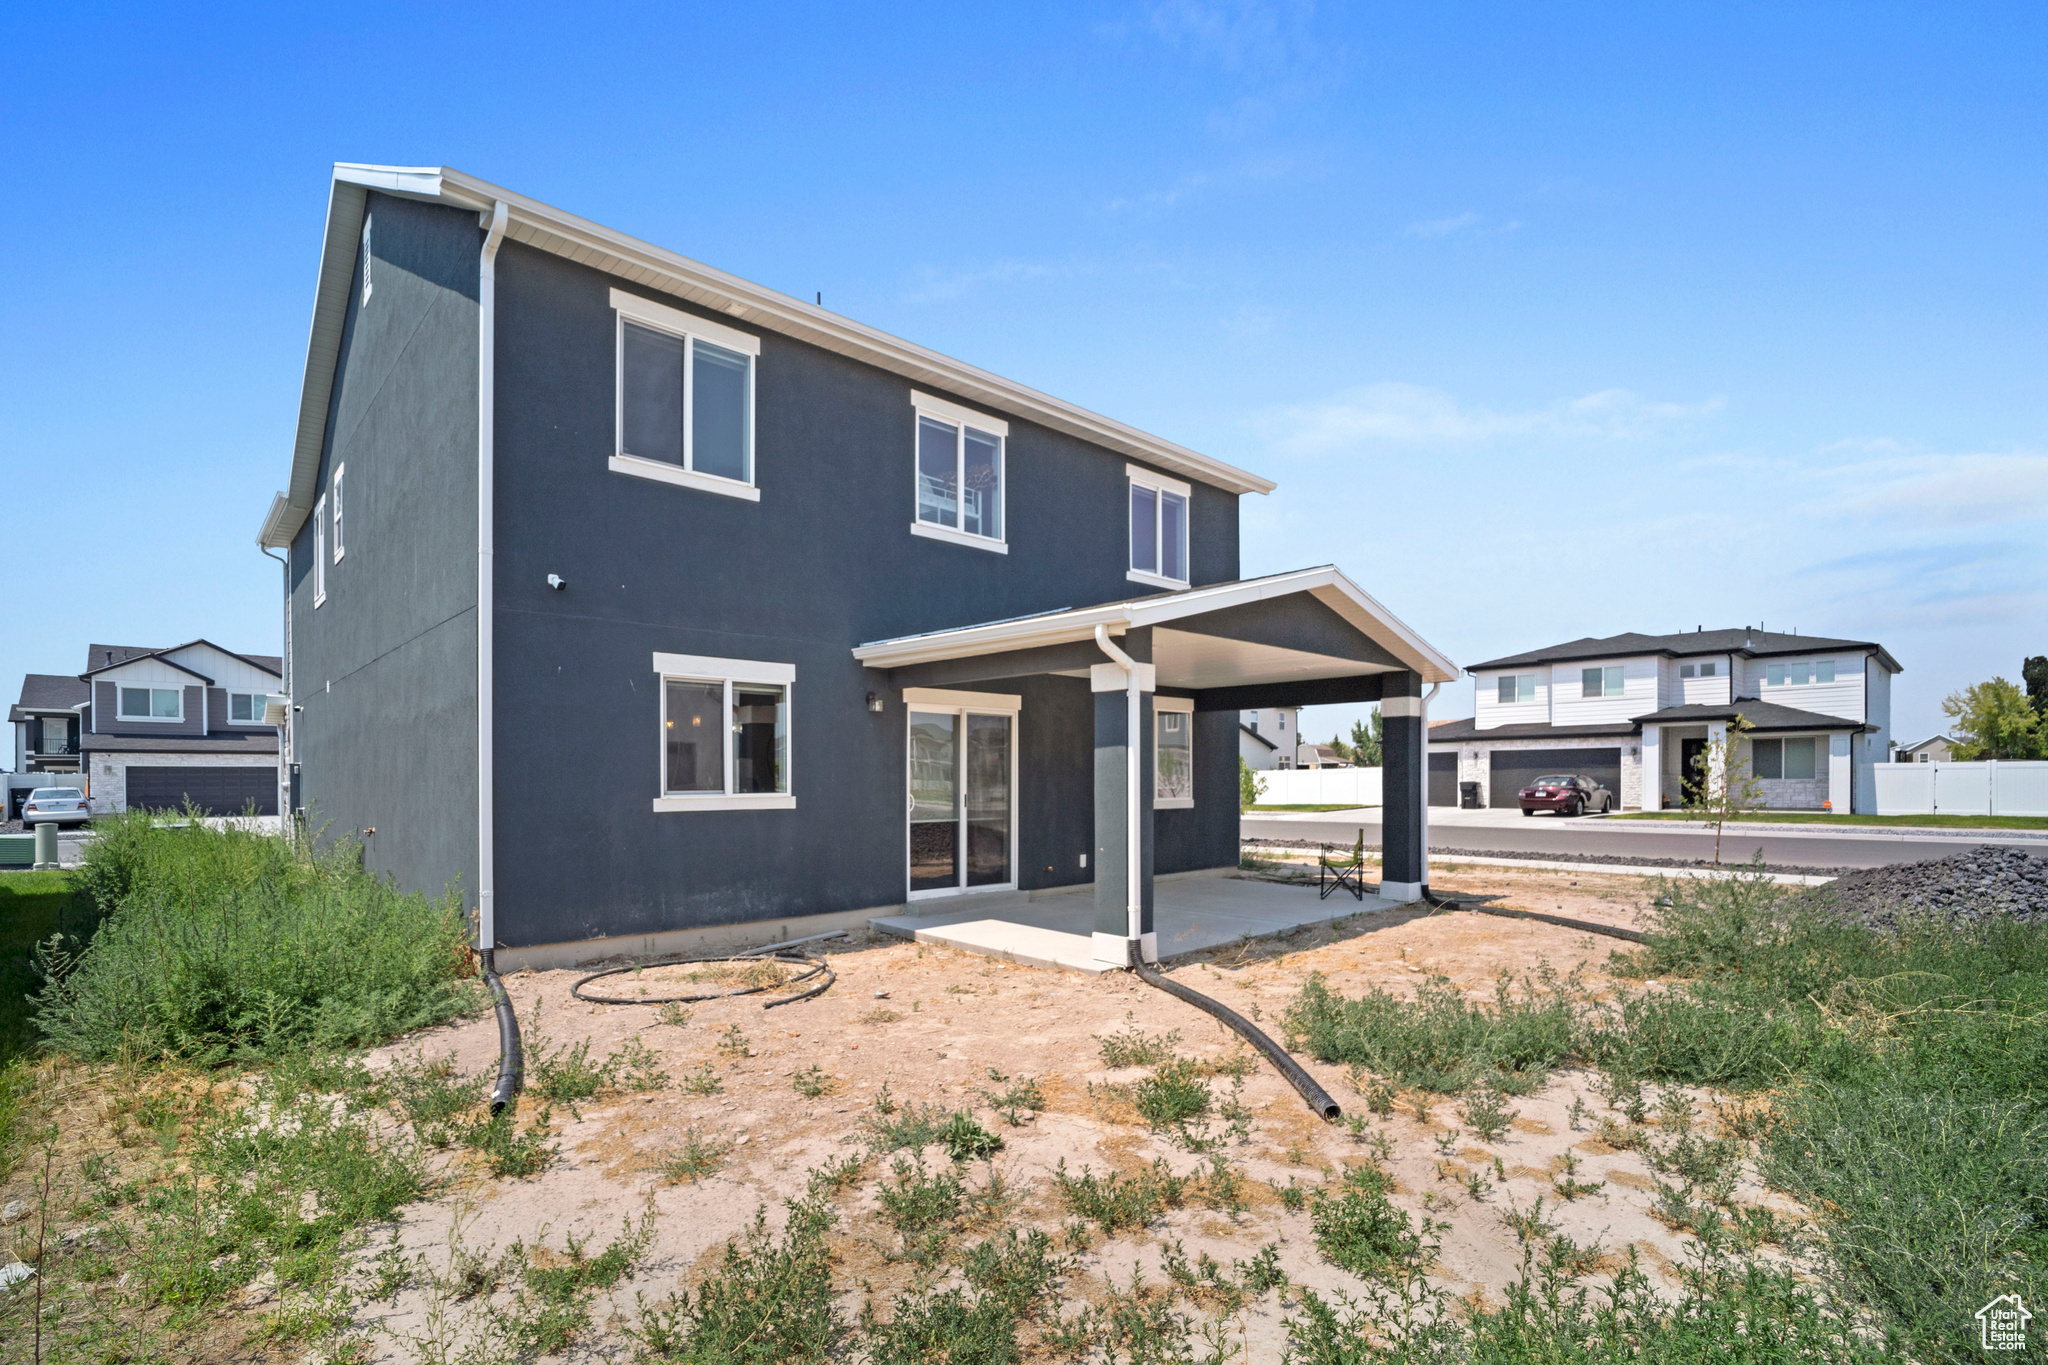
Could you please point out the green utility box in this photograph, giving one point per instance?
(17, 850)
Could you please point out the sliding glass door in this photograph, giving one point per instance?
(962, 784)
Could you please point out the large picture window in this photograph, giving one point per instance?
(724, 733)
(1173, 751)
(959, 489)
(151, 703)
(1783, 758)
(1159, 528)
(685, 399)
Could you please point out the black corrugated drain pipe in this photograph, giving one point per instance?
(511, 1057)
(1318, 1098)
(1585, 926)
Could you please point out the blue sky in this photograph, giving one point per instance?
(1549, 321)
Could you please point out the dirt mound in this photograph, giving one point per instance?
(1983, 881)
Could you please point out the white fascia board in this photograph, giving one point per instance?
(1326, 584)
(549, 229)
(271, 535)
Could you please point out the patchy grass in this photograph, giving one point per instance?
(1814, 817)
(32, 907)
(1441, 1042)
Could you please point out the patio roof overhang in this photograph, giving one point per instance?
(1309, 637)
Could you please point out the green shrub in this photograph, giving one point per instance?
(33, 906)
(219, 944)
(1359, 1229)
(1440, 1041)
(770, 1300)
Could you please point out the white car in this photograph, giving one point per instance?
(56, 806)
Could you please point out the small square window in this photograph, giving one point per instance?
(1688, 670)
(1774, 675)
(1824, 671)
(1708, 670)
(725, 737)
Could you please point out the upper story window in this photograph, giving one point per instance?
(724, 733)
(1799, 674)
(1601, 682)
(685, 399)
(959, 474)
(340, 546)
(367, 220)
(1173, 752)
(1159, 529)
(246, 708)
(1517, 687)
(319, 551)
(1706, 670)
(151, 703)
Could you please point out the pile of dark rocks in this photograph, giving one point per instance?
(1985, 881)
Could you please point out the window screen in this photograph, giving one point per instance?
(1799, 758)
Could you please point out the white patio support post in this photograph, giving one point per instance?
(1404, 848)
(1653, 767)
(1717, 772)
(1841, 772)
(1123, 799)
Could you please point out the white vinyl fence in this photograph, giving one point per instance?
(1321, 787)
(1990, 788)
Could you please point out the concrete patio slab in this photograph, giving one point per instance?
(1188, 915)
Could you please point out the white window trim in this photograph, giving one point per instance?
(1159, 483)
(257, 701)
(340, 547)
(959, 418)
(368, 219)
(943, 699)
(1186, 706)
(730, 672)
(120, 715)
(688, 326)
(967, 538)
(319, 551)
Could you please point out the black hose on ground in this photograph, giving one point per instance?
(1586, 926)
(1318, 1098)
(813, 966)
(511, 1056)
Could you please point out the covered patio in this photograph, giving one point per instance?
(1309, 637)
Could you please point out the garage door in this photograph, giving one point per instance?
(1513, 768)
(216, 791)
(1443, 779)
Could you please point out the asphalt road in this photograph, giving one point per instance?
(1549, 836)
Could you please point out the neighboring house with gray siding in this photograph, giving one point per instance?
(163, 728)
(48, 721)
(630, 599)
(1635, 712)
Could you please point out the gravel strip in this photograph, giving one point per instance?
(1522, 855)
(1963, 888)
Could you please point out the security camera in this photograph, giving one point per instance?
(557, 582)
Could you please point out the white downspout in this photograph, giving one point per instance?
(486, 550)
(1134, 875)
(1427, 698)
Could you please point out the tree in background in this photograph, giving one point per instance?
(1368, 742)
(1994, 720)
(1723, 788)
(2034, 673)
(1250, 785)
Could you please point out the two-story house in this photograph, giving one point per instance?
(1267, 737)
(1635, 712)
(193, 724)
(633, 599)
(48, 721)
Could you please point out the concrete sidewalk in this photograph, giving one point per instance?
(1189, 914)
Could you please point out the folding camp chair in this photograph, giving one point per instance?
(1340, 871)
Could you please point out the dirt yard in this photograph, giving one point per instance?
(950, 1030)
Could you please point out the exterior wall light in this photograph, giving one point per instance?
(875, 702)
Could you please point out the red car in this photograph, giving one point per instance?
(1566, 794)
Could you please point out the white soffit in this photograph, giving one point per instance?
(549, 229)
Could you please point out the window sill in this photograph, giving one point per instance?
(953, 537)
(683, 478)
(720, 801)
(1156, 580)
(1173, 803)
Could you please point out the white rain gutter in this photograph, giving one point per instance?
(1134, 872)
(1427, 698)
(486, 551)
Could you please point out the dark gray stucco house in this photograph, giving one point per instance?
(634, 600)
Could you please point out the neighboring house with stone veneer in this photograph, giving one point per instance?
(1635, 711)
(161, 727)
